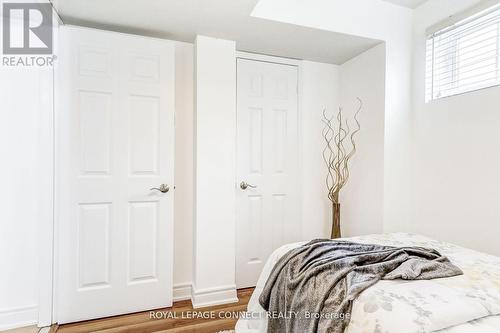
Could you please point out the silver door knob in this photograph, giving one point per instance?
(244, 185)
(164, 188)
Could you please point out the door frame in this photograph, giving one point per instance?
(46, 193)
(46, 190)
(279, 61)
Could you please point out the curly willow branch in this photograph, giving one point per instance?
(336, 155)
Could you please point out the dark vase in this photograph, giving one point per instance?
(336, 220)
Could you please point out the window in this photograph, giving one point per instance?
(464, 56)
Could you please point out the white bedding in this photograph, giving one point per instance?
(464, 304)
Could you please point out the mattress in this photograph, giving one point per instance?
(467, 303)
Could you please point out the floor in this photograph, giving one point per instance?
(141, 322)
(32, 329)
(27, 329)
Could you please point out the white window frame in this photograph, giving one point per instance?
(453, 22)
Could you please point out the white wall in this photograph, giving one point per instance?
(215, 155)
(430, 149)
(319, 90)
(457, 160)
(441, 131)
(362, 210)
(394, 25)
(25, 194)
(330, 86)
(22, 116)
(19, 118)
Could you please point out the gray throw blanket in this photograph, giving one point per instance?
(312, 287)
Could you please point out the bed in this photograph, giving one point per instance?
(469, 303)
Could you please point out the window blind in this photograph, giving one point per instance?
(464, 56)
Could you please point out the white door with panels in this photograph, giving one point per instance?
(267, 164)
(114, 194)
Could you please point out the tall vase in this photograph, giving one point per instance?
(336, 220)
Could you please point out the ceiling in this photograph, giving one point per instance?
(407, 3)
(229, 19)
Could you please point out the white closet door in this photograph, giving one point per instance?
(115, 134)
(267, 161)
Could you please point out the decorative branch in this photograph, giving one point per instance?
(339, 151)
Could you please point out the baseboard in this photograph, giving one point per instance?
(182, 292)
(18, 317)
(213, 296)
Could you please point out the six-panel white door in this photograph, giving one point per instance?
(115, 141)
(267, 164)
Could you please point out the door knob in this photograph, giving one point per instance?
(164, 188)
(244, 185)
